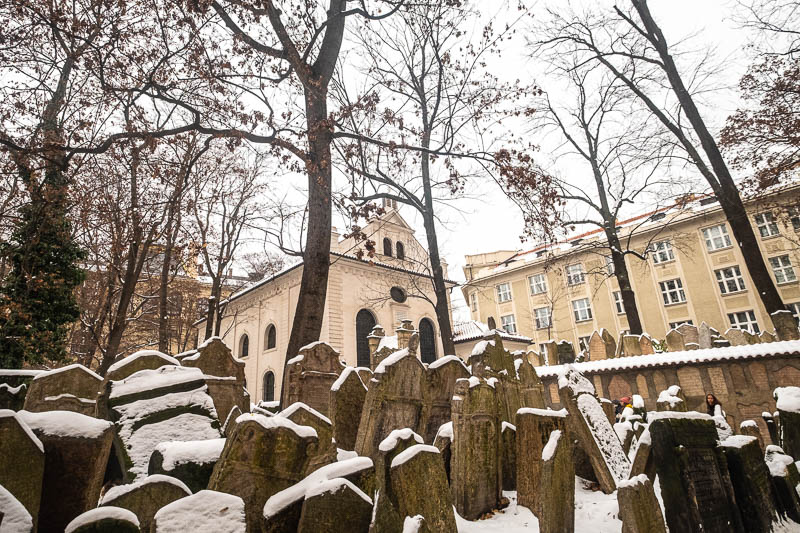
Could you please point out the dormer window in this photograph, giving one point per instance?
(387, 247)
(401, 251)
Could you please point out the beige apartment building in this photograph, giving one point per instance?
(693, 272)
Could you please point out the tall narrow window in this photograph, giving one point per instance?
(582, 310)
(504, 292)
(268, 394)
(782, 268)
(244, 346)
(767, 227)
(542, 316)
(730, 280)
(509, 323)
(618, 304)
(717, 237)
(364, 324)
(271, 337)
(387, 247)
(538, 284)
(401, 250)
(473, 301)
(672, 291)
(427, 341)
(662, 252)
(575, 274)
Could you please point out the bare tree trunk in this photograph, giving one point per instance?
(213, 303)
(625, 288)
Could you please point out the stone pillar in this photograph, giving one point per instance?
(534, 427)
(751, 483)
(557, 506)
(638, 507)
(404, 332)
(374, 339)
(508, 437)
(785, 326)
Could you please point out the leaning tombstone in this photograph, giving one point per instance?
(689, 332)
(190, 461)
(624, 431)
(695, 485)
(76, 451)
(557, 508)
(104, 520)
(70, 388)
(785, 479)
(443, 443)
(675, 342)
(475, 470)
(534, 427)
(750, 429)
(14, 517)
(441, 377)
(141, 360)
(646, 344)
(303, 415)
(508, 438)
(335, 505)
(787, 400)
(419, 487)
(565, 353)
(144, 498)
(310, 376)
(751, 483)
(207, 510)
(22, 461)
(602, 345)
(609, 410)
(588, 423)
(638, 506)
(348, 393)
(785, 325)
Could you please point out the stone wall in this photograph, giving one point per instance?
(743, 385)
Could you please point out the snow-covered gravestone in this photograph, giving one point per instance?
(190, 461)
(149, 407)
(787, 400)
(335, 505)
(71, 388)
(508, 460)
(441, 376)
(602, 345)
(638, 507)
(693, 473)
(595, 435)
(750, 428)
(141, 360)
(348, 393)
(144, 498)
(419, 487)
(557, 505)
(475, 468)
(76, 450)
(224, 375)
(104, 520)
(263, 456)
(565, 352)
(533, 429)
(310, 376)
(675, 341)
(303, 415)
(669, 402)
(443, 442)
(21, 461)
(751, 483)
(785, 479)
(14, 517)
(207, 510)
(785, 325)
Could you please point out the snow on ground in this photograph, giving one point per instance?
(595, 512)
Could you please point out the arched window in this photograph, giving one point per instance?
(271, 337)
(268, 394)
(365, 321)
(244, 346)
(387, 247)
(427, 341)
(401, 250)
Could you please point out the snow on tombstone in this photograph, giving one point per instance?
(144, 498)
(141, 360)
(785, 479)
(190, 461)
(638, 506)
(303, 415)
(104, 520)
(557, 506)
(534, 427)
(71, 388)
(441, 380)
(208, 510)
(788, 404)
(14, 517)
(21, 461)
(751, 483)
(224, 375)
(335, 505)
(311, 374)
(347, 397)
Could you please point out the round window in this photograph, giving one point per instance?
(398, 294)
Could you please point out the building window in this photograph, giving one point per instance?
(543, 317)
(538, 284)
(662, 252)
(744, 320)
(767, 227)
(730, 280)
(583, 344)
(473, 301)
(794, 218)
(508, 323)
(672, 291)
(575, 275)
(427, 341)
(398, 294)
(365, 321)
(271, 336)
(676, 325)
(717, 237)
(795, 309)
(618, 302)
(582, 310)
(268, 394)
(610, 265)
(782, 268)
(504, 292)
(244, 345)
(401, 250)
(387, 247)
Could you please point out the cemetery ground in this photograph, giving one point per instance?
(476, 446)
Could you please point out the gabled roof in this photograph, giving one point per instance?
(474, 330)
(391, 216)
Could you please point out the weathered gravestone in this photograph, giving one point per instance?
(668, 402)
(348, 393)
(565, 353)
(262, 457)
(772, 426)
(14, 517)
(303, 415)
(625, 433)
(475, 468)
(170, 403)
(441, 376)
(230, 422)
(335, 505)
(12, 398)
(589, 425)
(224, 375)
(192, 461)
(675, 341)
(787, 400)
(71, 388)
(602, 345)
(419, 487)
(751, 483)
(283, 509)
(785, 479)
(690, 333)
(76, 451)
(531, 387)
(750, 429)
(534, 427)
(311, 374)
(609, 409)
(693, 473)
(704, 336)
(766, 337)
(207, 510)
(443, 442)
(104, 520)
(785, 325)
(638, 507)
(736, 337)
(646, 344)
(550, 352)
(21, 461)
(641, 457)
(557, 506)
(141, 360)
(631, 345)
(144, 498)
(508, 461)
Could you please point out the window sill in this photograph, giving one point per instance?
(584, 320)
(673, 304)
(743, 291)
(782, 283)
(570, 285)
(719, 249)
(663, 263)
(503, 301)
(769, 237)
(539, 293)
(271, 350)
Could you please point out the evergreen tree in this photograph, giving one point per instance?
(37, 302)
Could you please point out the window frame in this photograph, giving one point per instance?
(750, 315)
(473, 301)
(657, 251)
(270, 328)
(783, 269)
(572, 278)
(512, 323)
(666, 292)
(500, 297)
(576, 311)
(549, 318)
(676, 325)
(723, 282)
(543, 279)
(583, 345)
(619, 305)
(724, 235)
(767, 226)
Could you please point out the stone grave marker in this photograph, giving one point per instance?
(441, 377)
(311, 374)
(224, 376)
(550, 352)
(104, 519)
(638, 507)
(534, 427)
(348, 393)
(602, 345)
(690, 333)
(675, 342)
(631, 345)
(785, 478)
(191, 462)
(646, 344)
(736, 337)
(750, 429)
(443, 442)
(335, 505)
(508, 443)
(70, 388)
(557, 508)
(565, 353)
(21, 462)
(206, 510)
(141, 360)
(751, 483)
(14, 517)
(303, 415)
(704, 336)
(787, 400)
(144, 498)
(785, 325)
